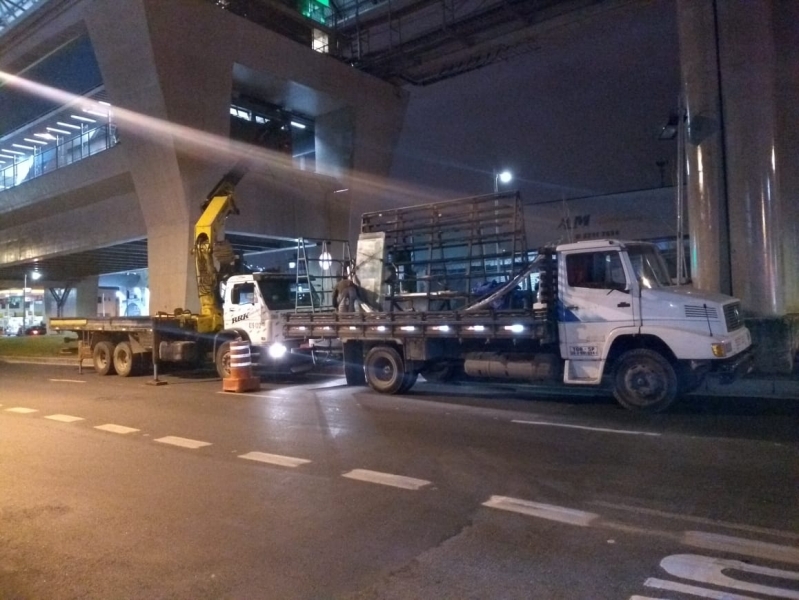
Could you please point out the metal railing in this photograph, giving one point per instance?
(63, 153)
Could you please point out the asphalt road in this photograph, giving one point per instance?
(111, 488)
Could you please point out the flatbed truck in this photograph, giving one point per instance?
(592, 313)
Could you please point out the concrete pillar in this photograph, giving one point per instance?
(85, 298)
(706, 194)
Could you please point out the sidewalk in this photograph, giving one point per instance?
(786, 388)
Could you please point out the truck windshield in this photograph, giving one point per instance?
(277, 293)
(649, 266)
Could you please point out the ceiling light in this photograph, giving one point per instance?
(104, 103)
(32, 141)
(95, 112)
(64, 131)
(46, 136)
(23, 146)
(297, 125)
(7, 156)
(84, 119)
(69, 125)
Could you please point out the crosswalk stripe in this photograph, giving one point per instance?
(115, 428)
(182, 442)
(21, 410)
(64, 418)
(275, 459)
(543, 511)
(399, 481)
(725, 543)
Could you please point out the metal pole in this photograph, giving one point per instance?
(680, 190)
(24, 301)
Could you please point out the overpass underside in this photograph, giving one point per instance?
(162, 108)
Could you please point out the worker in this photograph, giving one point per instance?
(346, 296)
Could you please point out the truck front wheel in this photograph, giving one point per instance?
(222, 360)
(644, 381)
(103, 358)
(385, 370)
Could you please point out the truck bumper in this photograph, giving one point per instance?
(293, 362)
(729, 369)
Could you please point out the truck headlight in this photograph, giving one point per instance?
(277, 350)
(721, 349)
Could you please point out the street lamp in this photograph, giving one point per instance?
(504, 177)
(35, 276)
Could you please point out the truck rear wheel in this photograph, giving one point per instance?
(124, 359)
(222, 360)
(353, 363)
(385, 370)
(103, 358)
(644, 381)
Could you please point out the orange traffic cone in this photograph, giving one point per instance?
(241, 378)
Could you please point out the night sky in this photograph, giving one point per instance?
(579, 116)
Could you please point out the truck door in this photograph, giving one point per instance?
(594, 300)
(243, 309)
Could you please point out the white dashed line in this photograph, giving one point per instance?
(116, 428)
(725, 543)
(543, 511)
(275, 459)
(68, 380)
(602, 429)
(22, 411)
(64, 418)
(182, 442)
(406, 483)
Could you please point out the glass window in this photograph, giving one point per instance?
(650, 268)
(244, 293)
(597, 270)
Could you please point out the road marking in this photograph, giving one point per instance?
(21, 410)
(543, 511)
(725, 543)
(115, 428)
(407, 483)
(708, 569)
(182, 442)
(637, 597)
(701, 520)
(672, 586)
(275, 459)
(64, 418)
(68, 380)
(602, 429)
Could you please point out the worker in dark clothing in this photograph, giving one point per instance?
(345, 295)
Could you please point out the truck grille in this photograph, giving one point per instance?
(732, 316)
(700, 312)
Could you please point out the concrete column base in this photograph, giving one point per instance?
(776, 341)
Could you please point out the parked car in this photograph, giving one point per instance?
(40, 329)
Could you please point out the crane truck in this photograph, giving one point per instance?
(233, 306)
(450, 288)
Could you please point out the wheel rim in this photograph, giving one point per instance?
(646, 384)
(103, 357)
(383, 370)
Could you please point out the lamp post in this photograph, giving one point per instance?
(502, 176)
(35, 276)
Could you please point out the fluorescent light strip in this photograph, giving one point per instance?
(63, 131)
(298, 125)
(46, 136)
(23, 146)
(69, 125)
(95, 112)
(85, 119)
(32, 141)
(7, 156)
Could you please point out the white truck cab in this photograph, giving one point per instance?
(612, 292)
(255, 306)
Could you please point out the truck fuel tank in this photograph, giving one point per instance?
(529, 367)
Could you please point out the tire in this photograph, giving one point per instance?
(408, 382)
(644, 381)
(222, 360)
(124, 359)
(385, 370)
(353, 363)
(103, 358)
